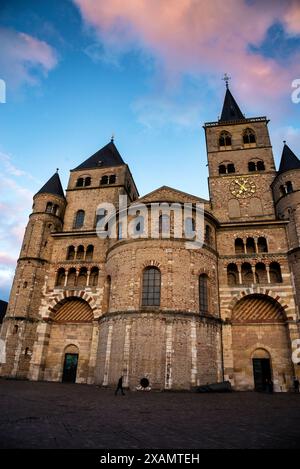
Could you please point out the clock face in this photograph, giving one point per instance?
(242, 187)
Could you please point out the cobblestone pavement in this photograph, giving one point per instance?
(55, 415)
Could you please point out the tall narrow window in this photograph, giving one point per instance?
(239, 246)
(164, 225)
(151, 287)
(60, 279)
(225, 140)
(203, 293)
(249, 137)
(80, 253)
(262, 244)
(89, 252)
(71, 253)
(49, 207)
(189, 227)
(289, 187)
(79, 219)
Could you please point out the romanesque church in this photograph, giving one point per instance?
(87, 309)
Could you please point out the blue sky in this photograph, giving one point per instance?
(77, 71)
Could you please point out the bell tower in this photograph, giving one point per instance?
(241, 164)
(19, 327)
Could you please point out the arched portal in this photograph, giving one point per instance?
(260, 344)
(69, 349)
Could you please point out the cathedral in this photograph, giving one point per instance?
(89, 309)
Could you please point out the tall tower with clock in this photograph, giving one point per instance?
(241, 164)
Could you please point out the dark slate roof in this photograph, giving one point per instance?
(3, 307)
(53, 186)
(288, 160)
(230, 111)
(105, 157)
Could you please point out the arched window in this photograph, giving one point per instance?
(87, 181)
(282, 190)
(225, 140)
(207, 236)
(226, 168)
(256, 166)
(261, 273)
(251, 166)
(232, 275)
(151, 287)
(275, 273)
(79, 182)
(164, 225)
(79, 219)
(289, 187)
(49, 207)
(222, 169)
(203, 293)
(70, 253)
(262, 245)
(94, 277)
(189, 227)
(249, 137)
(60, 278)
(80, 253)
(104, 180)
(112, 179)
(82, 277)
(71, 277)
(250, 246)
(260, 165)
(239, 246)
(106, 297)
(89, 252)
(247, 274)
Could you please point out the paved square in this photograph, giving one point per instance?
(55, 415)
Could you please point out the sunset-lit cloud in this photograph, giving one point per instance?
(199, 37)
(24, 58)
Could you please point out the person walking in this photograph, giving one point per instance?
(296, 385)
(120, 386)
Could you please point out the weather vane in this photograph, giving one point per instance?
(226, 78)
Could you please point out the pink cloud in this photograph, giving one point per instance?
(23, 58)
(188, 36)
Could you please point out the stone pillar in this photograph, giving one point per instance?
(126, 355)
(93, 353)
(268, 273)
(169, 353)
(39, 353)
(253, 271)
(66, 278)
(228, 353)
(194, 370)
(107, 355)
(240, 273)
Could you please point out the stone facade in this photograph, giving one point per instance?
(226, 310)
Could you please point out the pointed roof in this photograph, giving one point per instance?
(106, 156)
(231, 110)
(288, 160)
(52, 186)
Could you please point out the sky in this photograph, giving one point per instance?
(149, 72)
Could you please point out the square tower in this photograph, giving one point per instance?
(241, 165)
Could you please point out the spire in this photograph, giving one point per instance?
(231, 110)
(288, 160)
(105, 157)
(53, 186)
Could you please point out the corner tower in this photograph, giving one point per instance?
(286, 190)
(241, 164)
(19, 327)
